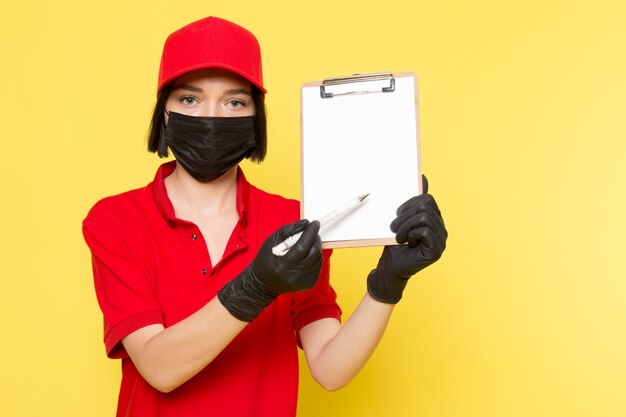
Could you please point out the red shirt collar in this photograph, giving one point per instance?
(164, 204)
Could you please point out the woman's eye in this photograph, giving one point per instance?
(188, 100)
(236, 103)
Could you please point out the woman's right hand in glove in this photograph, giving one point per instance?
(269, 275)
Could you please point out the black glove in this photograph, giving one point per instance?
(268, 276)
(419, 223)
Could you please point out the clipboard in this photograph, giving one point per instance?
(359, 134)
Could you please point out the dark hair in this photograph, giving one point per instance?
(156, 134)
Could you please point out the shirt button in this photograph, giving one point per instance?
(236, 245)
(194, 236)
(204, 271)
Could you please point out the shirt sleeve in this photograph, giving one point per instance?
(318, 303)
(124, 286)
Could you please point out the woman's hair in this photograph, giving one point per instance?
(156, 134)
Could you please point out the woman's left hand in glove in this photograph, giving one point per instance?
(418, 224)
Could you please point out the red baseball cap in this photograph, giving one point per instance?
(211, 43)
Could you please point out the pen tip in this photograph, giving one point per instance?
(363, 197)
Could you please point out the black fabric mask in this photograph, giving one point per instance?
(207, 147)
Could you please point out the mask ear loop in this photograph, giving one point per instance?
(251, 151)
(162, 148)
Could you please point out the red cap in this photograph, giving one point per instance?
(211, 43)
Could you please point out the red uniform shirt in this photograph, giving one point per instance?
(151, 267)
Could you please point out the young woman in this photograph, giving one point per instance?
(204, 317)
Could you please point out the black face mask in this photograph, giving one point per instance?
(207, 147)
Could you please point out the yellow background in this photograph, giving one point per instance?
(523, 109)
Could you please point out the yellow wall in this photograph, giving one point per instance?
(524, 142)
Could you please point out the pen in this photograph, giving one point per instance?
(282, 248)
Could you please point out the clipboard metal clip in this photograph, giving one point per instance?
(358, 78)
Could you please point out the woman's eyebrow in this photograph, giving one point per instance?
(188, 88)
(235, 91)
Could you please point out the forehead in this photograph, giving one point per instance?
(213, 76)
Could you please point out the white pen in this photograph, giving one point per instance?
(282, 248)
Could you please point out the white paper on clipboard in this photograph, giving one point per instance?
(360, 134)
